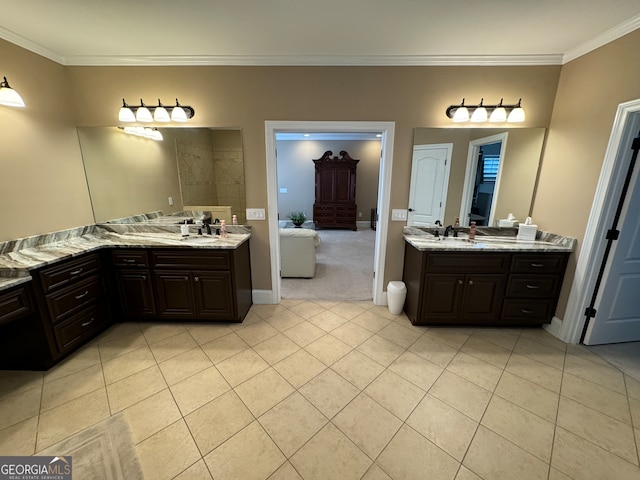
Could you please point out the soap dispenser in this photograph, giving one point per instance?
(472, 231)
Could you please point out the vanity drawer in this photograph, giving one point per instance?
(467, 263)
(538, 263)
(70, 300)
(69, 273)
(130, 258)
(541, 286)
(524, 311)
(215, 260)
(80, 326)
(14, 305)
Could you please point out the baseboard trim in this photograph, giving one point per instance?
(554, 328)
(262, 297)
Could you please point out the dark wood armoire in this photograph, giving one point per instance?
(335, 205)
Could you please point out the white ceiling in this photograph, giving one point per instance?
(315, 32)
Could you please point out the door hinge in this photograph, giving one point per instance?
(590, 312)
(613, 234)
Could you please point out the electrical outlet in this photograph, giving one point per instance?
(170, 200)
(359, 214)
(256, 214)
(399, 215)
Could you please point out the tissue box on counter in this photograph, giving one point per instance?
(505, 223)
(527, 232)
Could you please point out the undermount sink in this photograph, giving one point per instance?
(198, 239)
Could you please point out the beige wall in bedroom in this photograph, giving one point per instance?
(296, 172)
(590, 90)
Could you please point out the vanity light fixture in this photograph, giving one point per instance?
(480, 113)
(8, 96)
(146, 132)
(161, 113)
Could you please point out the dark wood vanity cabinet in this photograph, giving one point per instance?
(133, 279)
(23, 339)
(454, 288)
(184, 284)
(481, 288)
(533, 288)
(335, 189)
(73, 301)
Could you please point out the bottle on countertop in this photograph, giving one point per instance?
(456, 224)
(223, 228)
(472, 230)
(234, 219)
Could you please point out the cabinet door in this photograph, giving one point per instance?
(136, 293)
(441, 297)
(174, 294)
(482, 302)
(214, 295)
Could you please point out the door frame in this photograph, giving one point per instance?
(446, 175)
(470, 176)
(605, 202)
(384, 191)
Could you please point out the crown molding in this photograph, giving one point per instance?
(315, 60)
(602, 39)
(36, 48)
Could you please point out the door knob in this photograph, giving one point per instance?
(411, 209)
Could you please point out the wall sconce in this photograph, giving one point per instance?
(146, 132)
(160, 113)
(480, 113)
(8, 96)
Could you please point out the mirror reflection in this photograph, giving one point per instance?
(479, 183)
(129, 175)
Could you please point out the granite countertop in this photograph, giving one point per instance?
(487, 240)
(17, 258)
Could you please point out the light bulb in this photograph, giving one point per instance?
(161, 114)
(157, 135)
(498, 115)
(461, 115)
(8, 96)
(516, 115)
(143, 114)
(479, 114)
(125, 114)
(178, 114)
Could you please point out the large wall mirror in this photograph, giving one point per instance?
(129, 175)
(486, 182)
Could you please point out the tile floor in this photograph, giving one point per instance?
(333, 391)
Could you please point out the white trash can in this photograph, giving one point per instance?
(396, 294)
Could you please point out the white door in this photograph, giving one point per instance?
(429, 180)
(617, 306)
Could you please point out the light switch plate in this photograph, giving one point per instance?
(255, 214)
(399, 215)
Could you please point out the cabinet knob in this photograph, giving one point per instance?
(470, 282)
(197, 279)
(459, 282)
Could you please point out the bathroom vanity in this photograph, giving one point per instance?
(490, 281)
(60, 290)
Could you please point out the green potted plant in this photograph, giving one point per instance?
(298, 218)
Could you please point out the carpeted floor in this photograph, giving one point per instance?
(104, 451)
(344, 268)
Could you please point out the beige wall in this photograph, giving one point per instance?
(296, 172)
(590, 90)
(42, 184)
(239, 97)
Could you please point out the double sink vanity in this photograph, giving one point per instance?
(59, 290)
(492, 280)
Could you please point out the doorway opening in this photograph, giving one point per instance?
(482, 180)
(386, 130)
